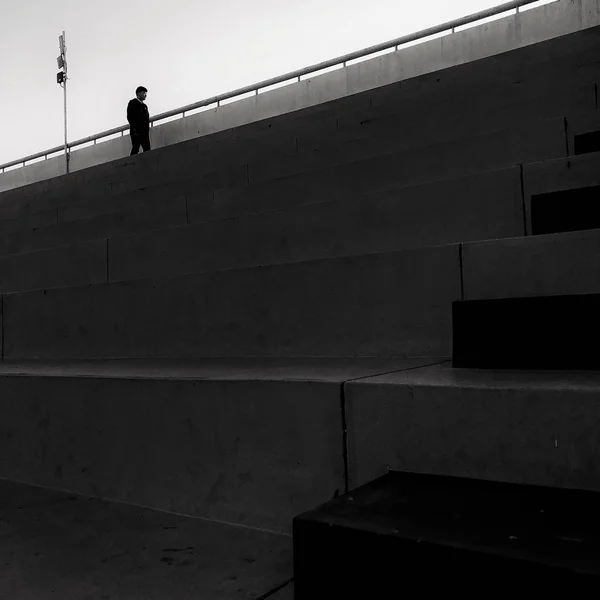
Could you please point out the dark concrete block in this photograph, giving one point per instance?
(569, 210)
(242, 450)
(534, 427)
(525, 333)
(583, 132)
(559, 175)
(546, 265)
(79, 264)
(445, 534)
(479, 207)
(394, 304)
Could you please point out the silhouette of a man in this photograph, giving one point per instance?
(139, 121)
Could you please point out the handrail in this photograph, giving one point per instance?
(450, 25)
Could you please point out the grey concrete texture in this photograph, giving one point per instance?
(504, 147)
(432, 122)
(541, 265)
(576, 90)
(60, 545)
(139, 217)
(447, 159)
(520, 427)
(218, 177)
(153, 198)
(483, 206)
(388, 304)
(571, 59)
(33, 220)
(557, 175)
(253, 452)
(64, 266)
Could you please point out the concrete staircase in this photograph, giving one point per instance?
(244, 326)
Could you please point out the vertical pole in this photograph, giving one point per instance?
(65, 95)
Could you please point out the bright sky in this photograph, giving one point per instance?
(182, 50)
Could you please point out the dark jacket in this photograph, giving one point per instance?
(138, 116)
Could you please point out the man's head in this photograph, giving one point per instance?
(141, 92)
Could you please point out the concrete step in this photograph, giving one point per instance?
(220, 170)
(544, 179)
(448, 534)
(484, 206)
(445, 160)
(134, 215)
(62, 266)
(536, 140)
(524, 100)
(496, 148)
(525, 333)
(543, 265)
(532, 427)
(239, 441)
(578, 126)
(387, 304)
(70, 546)
(412, 125)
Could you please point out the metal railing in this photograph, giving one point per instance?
(449, 26)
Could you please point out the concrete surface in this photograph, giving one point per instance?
(544, 265)
(521, 30)
(560, 174)
(521, 427)
(455, 158)
(33, 220)
(389, 304)
(503, 147)
(150, 199)
(72, 547)
(483, 206)
(295, 193)
(138, 217)
(251, 442)
(78, 264)
(245, 452)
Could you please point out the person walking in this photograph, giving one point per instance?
(139, 121)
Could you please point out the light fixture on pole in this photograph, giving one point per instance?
(61, 79)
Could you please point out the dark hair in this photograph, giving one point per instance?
(141, 88)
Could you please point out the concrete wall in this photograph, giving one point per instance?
(523, 29)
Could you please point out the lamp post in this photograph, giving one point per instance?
(61, 79)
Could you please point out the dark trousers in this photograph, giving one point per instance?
(139, 138)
